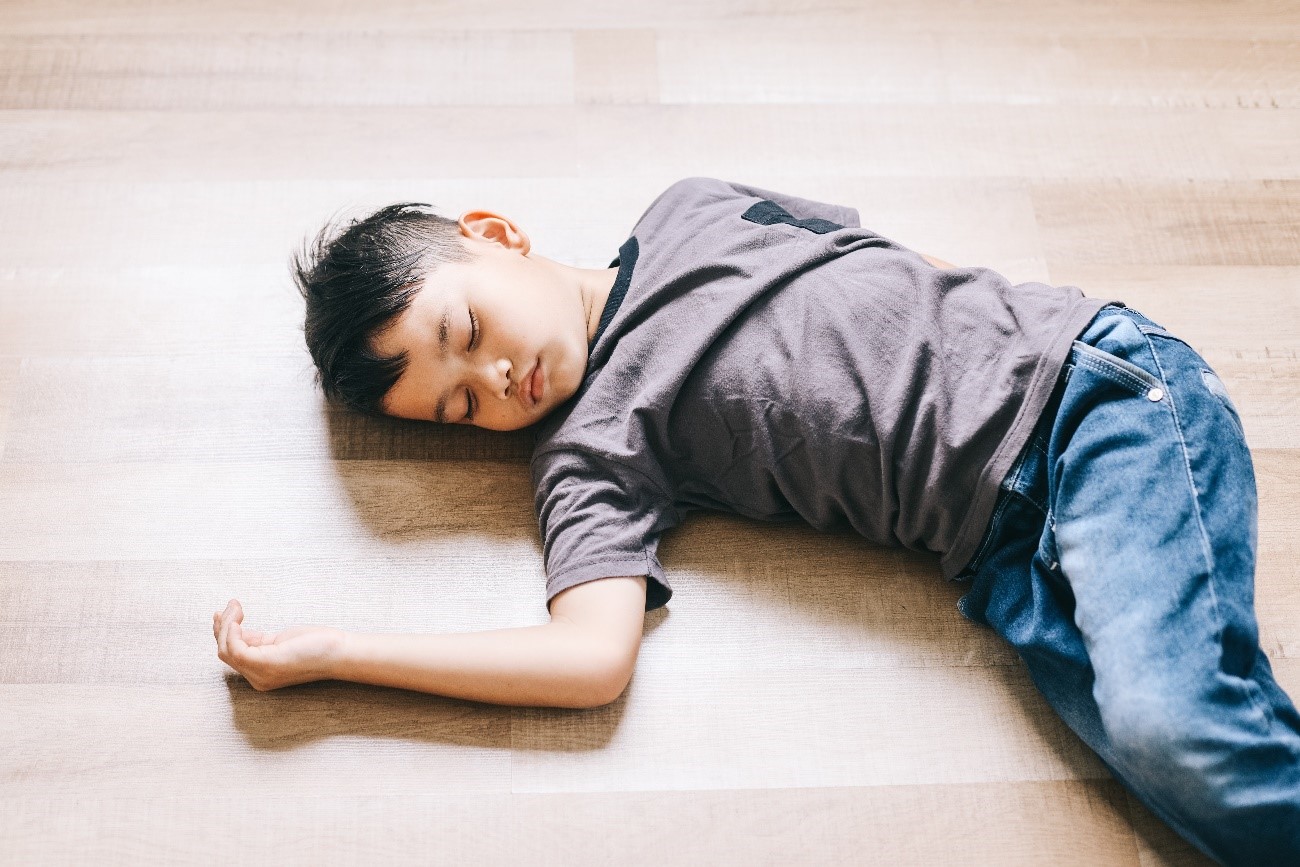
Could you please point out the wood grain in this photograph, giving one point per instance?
(806, 698)
(539, 152)
(1247, 20)
(1025, 823)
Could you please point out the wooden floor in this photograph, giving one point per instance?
(805, 699)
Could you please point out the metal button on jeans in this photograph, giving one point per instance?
(1155, 394)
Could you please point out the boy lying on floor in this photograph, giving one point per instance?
(761, 353)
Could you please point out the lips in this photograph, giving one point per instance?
(539, 383)
(530, 388)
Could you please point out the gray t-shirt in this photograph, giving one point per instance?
(763, 354)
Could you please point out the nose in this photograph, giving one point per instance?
(497, 381)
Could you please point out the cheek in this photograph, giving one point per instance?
(564, 373)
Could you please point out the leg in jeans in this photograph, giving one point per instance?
(1120, 564)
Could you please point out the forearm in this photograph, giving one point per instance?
(938, 263)
(551, 665)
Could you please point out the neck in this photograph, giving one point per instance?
(591, 286)
(594, 285)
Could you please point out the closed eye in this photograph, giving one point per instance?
(473, 342)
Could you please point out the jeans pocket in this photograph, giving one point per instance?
(1119, 370)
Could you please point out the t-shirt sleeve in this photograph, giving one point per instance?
(599, 519)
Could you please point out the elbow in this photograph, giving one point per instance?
(608, 688)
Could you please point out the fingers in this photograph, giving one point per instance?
(235, 643)
(226, 622)
(243, 652)
(222, 650)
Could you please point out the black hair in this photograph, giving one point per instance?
(357, 279)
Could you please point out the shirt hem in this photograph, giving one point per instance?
(658, 590)
(975, 524)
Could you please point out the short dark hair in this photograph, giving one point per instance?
(357, 278)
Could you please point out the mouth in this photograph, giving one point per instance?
(532, 386)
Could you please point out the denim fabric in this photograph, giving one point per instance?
(1120, 563)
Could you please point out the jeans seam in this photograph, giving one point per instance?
(976, 562)
(1211, 571)
(1022, 461)
(1141, 386)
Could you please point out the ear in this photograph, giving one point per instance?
(491, 227)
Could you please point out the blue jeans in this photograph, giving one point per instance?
(1120, 564)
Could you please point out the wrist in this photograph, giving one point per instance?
(335, 661)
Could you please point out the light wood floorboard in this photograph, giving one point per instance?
(806, 699)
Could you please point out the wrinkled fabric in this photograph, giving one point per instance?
(768, 356)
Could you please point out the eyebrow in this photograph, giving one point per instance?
(440, 411)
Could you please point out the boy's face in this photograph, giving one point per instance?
(530, 319)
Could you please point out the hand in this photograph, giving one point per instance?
(269, 661)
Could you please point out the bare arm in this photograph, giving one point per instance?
(555, 664)
(938, 263)
(582, 658)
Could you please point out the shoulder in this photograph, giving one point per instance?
(703, 189)
(694, 190)
(686, 208)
